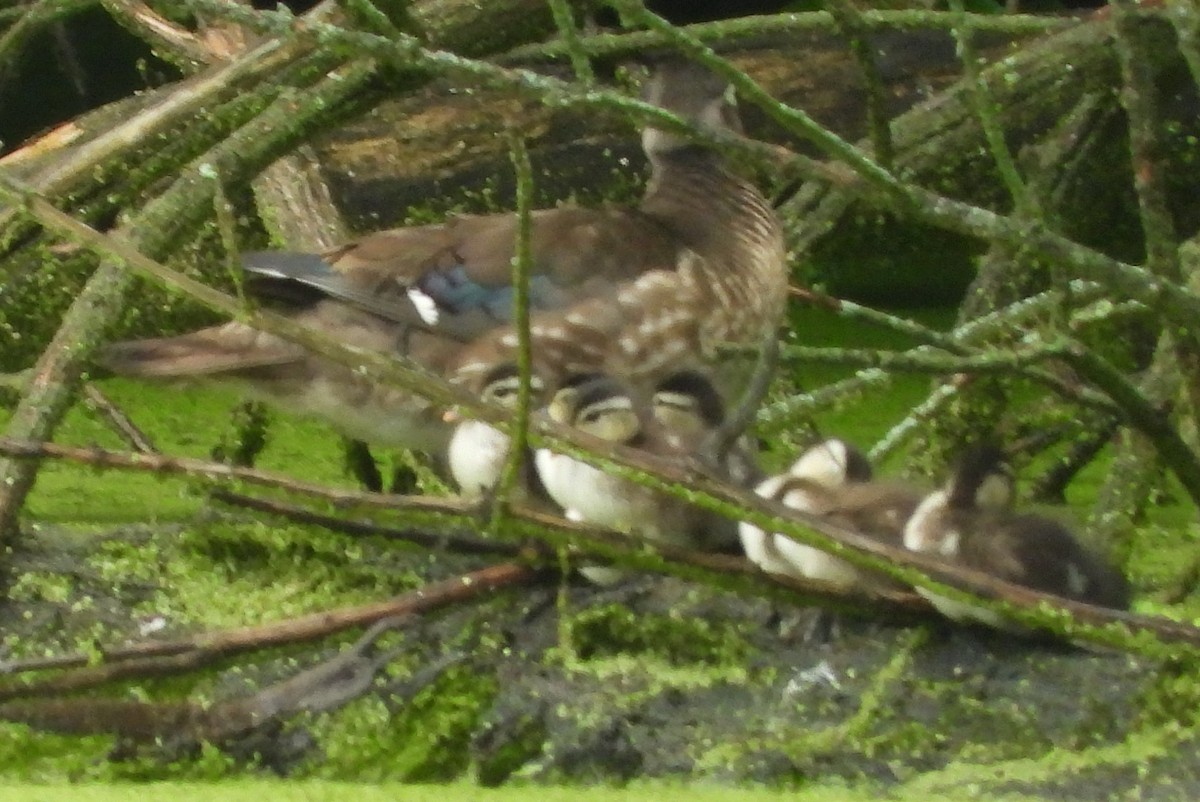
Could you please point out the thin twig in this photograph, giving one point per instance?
(1142, 415)
(854, 28)
(1025, 203)
(118, 420)
(730, 32)
(1140, 99)
(521, 267)
(740, 418)
(923, 360)
(456, 543)
(564, 18)
(916, 417)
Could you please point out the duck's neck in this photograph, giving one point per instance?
(695, 194)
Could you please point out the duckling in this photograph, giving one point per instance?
(690, 408)
(970, 522)
(833, 480)
(478, 451)
(605, 408)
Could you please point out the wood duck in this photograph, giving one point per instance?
(834, 480)
(606, 408)
(426, 292)
(970, 522)
(725, 285)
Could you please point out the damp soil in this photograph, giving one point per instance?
(561, 682)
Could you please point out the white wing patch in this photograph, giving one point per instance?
(426, 307)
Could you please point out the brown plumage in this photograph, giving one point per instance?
(835, 481)
(969, 523)
(441, 294)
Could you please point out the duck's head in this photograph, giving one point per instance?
(501, 385)
(693, 93)
(688, 404)
(600, 406)
(982, 479)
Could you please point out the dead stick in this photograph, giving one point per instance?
(458, 544)
(118, 420)
(162, 658)
(188, 466)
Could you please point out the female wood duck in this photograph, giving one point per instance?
(970, 522)
(606, 408)
(427, 291)
(834, 480)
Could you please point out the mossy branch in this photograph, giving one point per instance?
(1143, 415)
(960, 340)
(155, 229)
(921, 360)
(853, 26)
(521, 267)
(1024, 202)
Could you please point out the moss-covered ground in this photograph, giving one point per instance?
(652, 681)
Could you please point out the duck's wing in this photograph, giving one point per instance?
(455, 278)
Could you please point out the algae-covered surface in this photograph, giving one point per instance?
(551, 686)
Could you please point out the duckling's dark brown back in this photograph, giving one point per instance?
(1042, 554)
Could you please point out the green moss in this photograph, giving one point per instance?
(425, 739)
(674, 639)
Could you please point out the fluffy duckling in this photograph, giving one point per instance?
(605, 408)
(969, 522)
(478, 451)
(689, 407)
(833, 480)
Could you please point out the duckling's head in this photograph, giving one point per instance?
(600, 406)
(502, 385)
(692, 92)
(687, 403)
(832, 463)
(982, 479)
